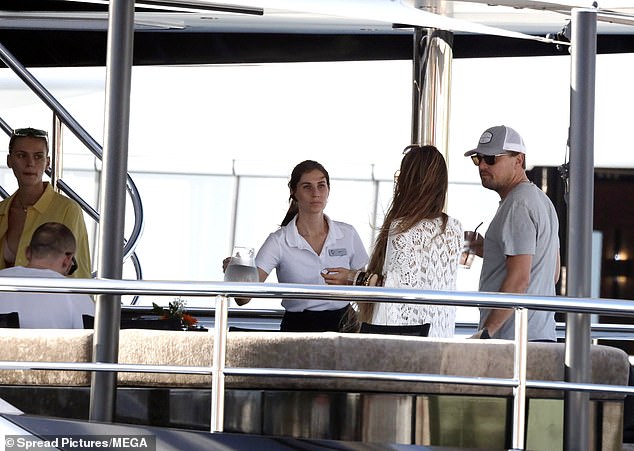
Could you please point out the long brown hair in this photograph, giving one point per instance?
(419, 193)
(296, 175)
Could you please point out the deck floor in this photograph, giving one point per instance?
(177, 439)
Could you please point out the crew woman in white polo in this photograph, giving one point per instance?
(307, 242)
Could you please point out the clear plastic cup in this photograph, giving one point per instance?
(468, 254)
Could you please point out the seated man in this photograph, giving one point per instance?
(51, 253)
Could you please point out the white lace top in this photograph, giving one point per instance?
(422, 258)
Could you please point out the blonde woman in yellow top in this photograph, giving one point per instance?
(35, 202)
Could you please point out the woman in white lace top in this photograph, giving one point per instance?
(418, 245)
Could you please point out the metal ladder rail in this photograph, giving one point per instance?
(65, 117)
(62, 114)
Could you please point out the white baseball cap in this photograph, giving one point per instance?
(497, 140)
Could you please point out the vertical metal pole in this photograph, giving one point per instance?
(519, 374)
(112, 203)
(57, 153)
(376, 185)
(218, 364)
(417, 82)
(234, 209)
(580, 212)
(432, 59)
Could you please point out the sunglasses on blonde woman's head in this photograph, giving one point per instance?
(490, 160)
(30, 132)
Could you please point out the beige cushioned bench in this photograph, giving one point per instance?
(330, 351)
(45, 345)
(333, 351)
(381, 411)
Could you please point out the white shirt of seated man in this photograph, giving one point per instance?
(46, 310)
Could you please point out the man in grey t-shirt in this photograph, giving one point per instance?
(521, 246)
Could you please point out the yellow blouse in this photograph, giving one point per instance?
(51, 207)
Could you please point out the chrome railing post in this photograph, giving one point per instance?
(577, 421)
(218, 364)
(56, 152)
(519, 374)
(234, 208)
(120, 40)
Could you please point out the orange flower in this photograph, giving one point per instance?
(176, 311)
(188, 319)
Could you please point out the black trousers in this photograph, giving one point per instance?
(314, 321)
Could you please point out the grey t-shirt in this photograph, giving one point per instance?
(525, 223)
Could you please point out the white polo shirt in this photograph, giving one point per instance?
(296, 262)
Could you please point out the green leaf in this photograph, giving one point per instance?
(157, 309)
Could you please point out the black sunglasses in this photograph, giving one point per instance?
(488, 159)
(32, 132)
(73, 266)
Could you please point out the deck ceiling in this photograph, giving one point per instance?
(73, 33)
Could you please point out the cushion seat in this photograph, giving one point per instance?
(367, 352)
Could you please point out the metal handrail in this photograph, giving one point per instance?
(69, 121)
(385, 376)
(311, 292)
(340, 293)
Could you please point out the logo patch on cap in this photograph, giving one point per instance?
(486, 138)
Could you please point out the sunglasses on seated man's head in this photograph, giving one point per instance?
(73, 266)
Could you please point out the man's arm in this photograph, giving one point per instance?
(518, 274)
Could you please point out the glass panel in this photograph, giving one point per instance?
(262, 204)
(353, 202)
(187, 228)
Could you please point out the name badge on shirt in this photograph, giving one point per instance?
(337, 252)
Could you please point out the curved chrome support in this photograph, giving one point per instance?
(138, 272)
(139, 221)
(5, 127)
(64, 117)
